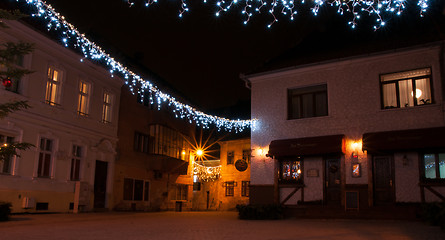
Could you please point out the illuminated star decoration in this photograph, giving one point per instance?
(287, 8)
(70, 36)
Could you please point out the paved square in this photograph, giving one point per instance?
(206, 226)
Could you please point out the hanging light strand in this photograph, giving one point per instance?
(72, 37)
(207, 174)
(287, 8)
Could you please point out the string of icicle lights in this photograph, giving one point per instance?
(206, 174)
(72, 37)
(249, 8)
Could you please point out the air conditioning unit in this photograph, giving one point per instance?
(28, 202)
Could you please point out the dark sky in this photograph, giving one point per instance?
(200, 55)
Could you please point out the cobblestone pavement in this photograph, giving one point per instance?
(205, 226)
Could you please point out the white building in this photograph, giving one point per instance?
(351, 129)
(72, 122)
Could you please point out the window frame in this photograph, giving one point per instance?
(413, 86)
(41, 162)
(141, 142)
(229, 188)
(77, 155)
(83, 110)
(50, 98)
(231, 156)
(300, 180)
(7, 139)
(107, 107)
(245, 191)
(438, 178)
(307, 90)
(181, 192)
(144, 195)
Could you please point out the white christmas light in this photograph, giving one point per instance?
(376, 8)
(71, 36)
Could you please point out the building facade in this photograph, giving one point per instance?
(232, 187)
(153, 170)
(72, 124)
(355, 132)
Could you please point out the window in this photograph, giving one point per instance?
(230, 157)
(397, 88)
(245, 188)
(17, 63)
(291, 171)
(141, 142)
(230, 188)
(246, 155)
(136, 190)
(53, 86)
(75, 163)
(84, 96)
(45, 155)
(434, 165)
(196, 183)
(107, 107)
(168, 142)
(6, 163)
(181, 192)
(307, 102)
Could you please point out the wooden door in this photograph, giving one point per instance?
(383, 180)
(100, 184)
(333, 181)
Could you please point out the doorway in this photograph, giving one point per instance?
(333, 181)
(100, 184)
(383, 180)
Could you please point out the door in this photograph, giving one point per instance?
(100, 184)
(333, 181)
(383, 180)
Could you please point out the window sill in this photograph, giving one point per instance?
(308, 118)
(410, 108)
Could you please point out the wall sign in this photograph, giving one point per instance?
(241, 165)
(312, 172)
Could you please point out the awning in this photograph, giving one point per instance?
(307, 146)
(427, 138)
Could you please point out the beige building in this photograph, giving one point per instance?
(72, 123)
(232, 187)
(355, 132)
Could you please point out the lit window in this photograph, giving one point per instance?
(45, 155)
(53, 85)
(75, 163)
(136, 190)
(434, 165)
(246, 155)
(84, 96)
(290, 171)
(230, 157)
(245, 188)
(6, 163)
(398, 88)
(230, 188)
(307, 102)
(107, 107)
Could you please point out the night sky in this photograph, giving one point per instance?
(200, 55)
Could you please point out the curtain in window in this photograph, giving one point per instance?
(423, 91)
(389, 95)
(406, 91)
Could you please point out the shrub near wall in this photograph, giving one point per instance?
(434, 214)
(5, 210)
(259, 212)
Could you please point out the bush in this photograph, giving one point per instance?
(5, 210)
(258, 212)
(434, 214)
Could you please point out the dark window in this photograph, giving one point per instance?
(230, 188)
(42, 206)
(291, 171)
(75, 163)
(245, 188)
(141, 142)
(434, 165)
(230, 157)
(406, 89)
(246, 155)
(181, 192)
(308, 102)
(168, 142)
(45, 158)
(196, 183)
(136, 190)
(6, 162)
